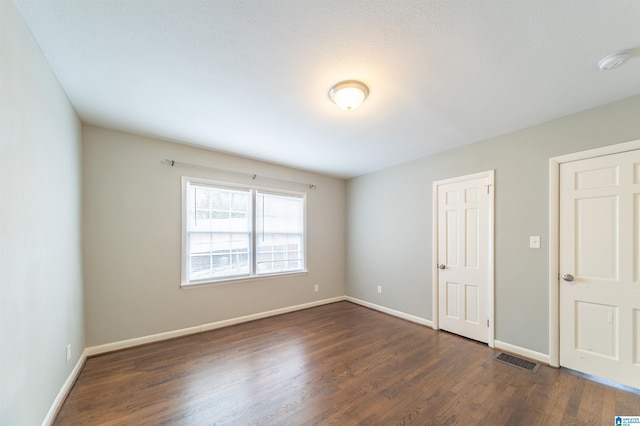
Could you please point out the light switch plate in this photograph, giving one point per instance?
(534, 241)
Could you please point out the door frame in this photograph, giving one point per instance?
(554, 234)
(490, 175)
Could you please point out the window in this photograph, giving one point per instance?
(280, 233)
(235, 232)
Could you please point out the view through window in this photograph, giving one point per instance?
(241, 232)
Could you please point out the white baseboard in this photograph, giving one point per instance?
(64, 390)
(123, 344)
(528, 353)
(393, 312)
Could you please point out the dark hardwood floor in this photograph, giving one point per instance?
(337, 364)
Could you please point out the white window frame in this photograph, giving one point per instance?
(253, 190)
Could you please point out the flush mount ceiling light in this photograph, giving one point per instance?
(349, 94)
(613, 61)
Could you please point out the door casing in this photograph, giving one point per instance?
(554, 235)
(489, 174)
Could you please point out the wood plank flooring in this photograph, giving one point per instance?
(339, 364)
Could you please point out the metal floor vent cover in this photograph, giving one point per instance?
(532, 367)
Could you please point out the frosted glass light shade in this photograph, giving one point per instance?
(349, 95)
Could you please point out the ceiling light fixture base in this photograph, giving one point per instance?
(613, 61)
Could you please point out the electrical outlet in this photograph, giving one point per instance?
(534, 241)
(69, 352)
(316, 288)
(379, 289)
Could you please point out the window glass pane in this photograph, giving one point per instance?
(219, 199)
(215, 255)
(279, 233)
(220, 214)
(202, 214)
(200, 243)
(219, 238)
(239, 202)
(202, 198)
(200, 265)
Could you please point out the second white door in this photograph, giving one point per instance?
(464, 255)
(600, 267)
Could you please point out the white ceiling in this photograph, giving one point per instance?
(251, 77)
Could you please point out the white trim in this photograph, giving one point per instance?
(465, 178)
(490, 176)
(554, 267)
(64, 390)
(243, 279)
(554, 238)
(491, 260)
(435, 306)
(123, 344)
(599, 152)
(527, 353)
(389, 311)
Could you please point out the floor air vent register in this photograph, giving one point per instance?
(514, 361)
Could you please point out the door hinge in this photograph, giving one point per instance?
(487, 323)
(489, 188)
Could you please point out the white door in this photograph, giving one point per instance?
(599, 265)
(464, 260)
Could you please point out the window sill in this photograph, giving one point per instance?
(242, 279)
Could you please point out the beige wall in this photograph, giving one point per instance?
(389, 219)
(41, 306)
(132, 239)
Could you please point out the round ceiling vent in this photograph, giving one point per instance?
(614, 60)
